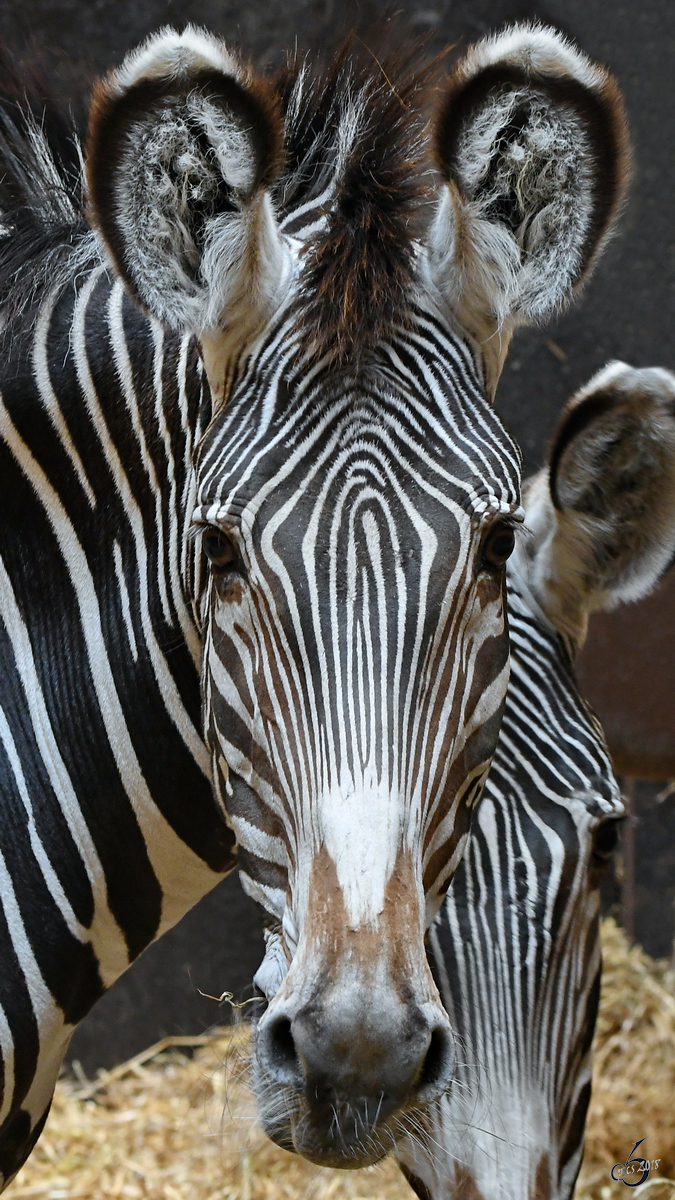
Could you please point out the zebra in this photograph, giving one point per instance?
(328, 548)
(515, 948)
(110, 830)
(356, 497)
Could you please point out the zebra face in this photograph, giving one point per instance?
(357, 655)
(520, 928)
(356, 492)
(518, 931)
(354, 675)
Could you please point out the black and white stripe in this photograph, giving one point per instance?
(355, 508)
(109, 827)
(353, 620)
(516, 948)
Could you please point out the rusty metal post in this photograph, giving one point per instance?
(628, 847)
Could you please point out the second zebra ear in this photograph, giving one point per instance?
(601, 517)
(184, 141)
(531, 141)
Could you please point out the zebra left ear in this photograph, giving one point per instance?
(531, 140)
(184, 141)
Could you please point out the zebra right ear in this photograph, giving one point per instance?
(184, 141)
(531, 141)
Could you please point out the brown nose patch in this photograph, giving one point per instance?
(399, 928)
(542, 1182)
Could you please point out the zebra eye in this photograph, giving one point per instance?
(218, 549)
(499, 545)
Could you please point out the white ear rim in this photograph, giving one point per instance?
(657, 381)
(169, 54)
(535, 47)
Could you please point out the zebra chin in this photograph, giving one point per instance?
(343, 1134)
(341, 1106)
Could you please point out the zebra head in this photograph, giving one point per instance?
(516, 946)
(353, 283)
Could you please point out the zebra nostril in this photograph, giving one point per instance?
(278, 1051)
(437, 1067)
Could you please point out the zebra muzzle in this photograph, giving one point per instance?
(351, 1074)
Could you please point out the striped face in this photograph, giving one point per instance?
(356, 653)
(357, 493)
(357, 649)
(516, 946)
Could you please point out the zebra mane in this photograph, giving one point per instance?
(355, 189)
(43, 228)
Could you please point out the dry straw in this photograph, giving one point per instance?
(167, 1127)
(634, 1072)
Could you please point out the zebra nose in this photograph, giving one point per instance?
(439, 1062)
(322, 1058)
(275, 1045)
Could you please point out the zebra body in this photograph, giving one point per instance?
(109, 824)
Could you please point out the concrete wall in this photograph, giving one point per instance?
(216, 948)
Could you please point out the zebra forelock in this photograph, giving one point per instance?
(355, 190)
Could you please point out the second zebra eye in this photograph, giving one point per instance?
(499, 545)
(218, 549)
(605, 841)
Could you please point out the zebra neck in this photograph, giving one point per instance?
(99, 416)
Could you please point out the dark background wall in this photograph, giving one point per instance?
(626, 312)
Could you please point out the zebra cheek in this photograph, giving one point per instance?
(490, 597)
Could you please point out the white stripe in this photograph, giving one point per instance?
(48, 395)
(182, 875)
(124, 599)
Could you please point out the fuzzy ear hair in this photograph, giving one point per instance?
(612, 473)
(183, 142)
(601, 518)
(531, 139)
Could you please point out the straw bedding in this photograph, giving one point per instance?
(168, 1127)
(634, 1072)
